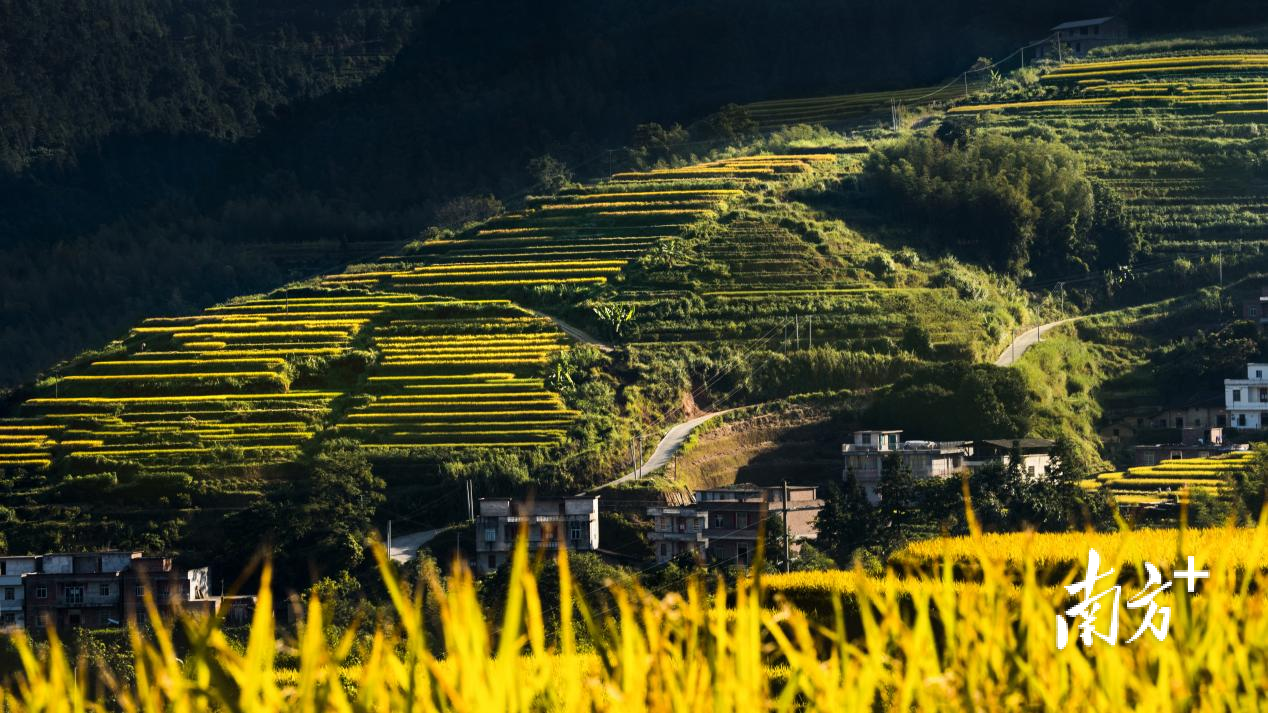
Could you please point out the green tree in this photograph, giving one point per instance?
(899, 511)
(847, 521)
(551, 174)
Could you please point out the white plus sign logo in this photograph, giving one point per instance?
(1191, 575)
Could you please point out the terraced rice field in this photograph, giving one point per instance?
(771, 274)
(1176, 136)
(442, 383)
(1165, 482)
(583, 237)
(844, 107)
(216, 388)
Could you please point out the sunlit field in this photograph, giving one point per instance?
(926, 641)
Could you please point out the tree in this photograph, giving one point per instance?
(466, 209)
(343, 495)
(319, 523)
(1116, 236)
(1020, 205)
(847, 521)
(551, 174)
(899, 507)
(731, 125)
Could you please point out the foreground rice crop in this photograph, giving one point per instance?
(928, 644)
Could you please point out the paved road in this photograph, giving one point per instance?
(405, 546)
(1026, 340)
(666, 449)
(574, 332)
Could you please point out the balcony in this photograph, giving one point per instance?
(675, 536)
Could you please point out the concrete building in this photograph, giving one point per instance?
(104, 589)
(722, 524)
(865, 457)
(547, 521)
(1194, 443)
(12, 595)
(1036, 453)
(678, 530)
(1077, 37)
(1256, 309)
(1246, 400)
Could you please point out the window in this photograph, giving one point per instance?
(1031, 470)
(1259, 373)
(140, 591)
(493, 562)
(164, 594)
(1237, 394)
(574, 531)
(1241, 419)
(103, 590)
(10, 594)
(664, 550)
(74, 595)
(1179, 422)
(742, 553)
(41, 592)
(490, 534)
(1116, 433)
(9, 618)
(1253, 312)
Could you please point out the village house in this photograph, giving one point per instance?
(1194, 443)
(865, 457)
(1080, 36)
(1204, 411)
(1246, 400)
(105, 589)
(722, 525)
(546, 521)
(1256, 308)
(12, 599)
(1036, 454)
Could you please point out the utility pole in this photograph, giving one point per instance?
(1023, 56)
(787, 556)
(966, 84)
(1013, 346)
(470, 501)
(1061, 289)
(1060, 53)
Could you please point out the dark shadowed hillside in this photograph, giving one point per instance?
(187, 126)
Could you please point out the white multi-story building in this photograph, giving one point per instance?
(865, 458)
(1246, 400)
(12, 598)
(545, 521)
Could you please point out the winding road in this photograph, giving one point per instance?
(574, 332)
(1026, 340)
(665, 450)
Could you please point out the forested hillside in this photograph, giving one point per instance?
(183, 125)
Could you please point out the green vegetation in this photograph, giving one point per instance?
(1021, 206)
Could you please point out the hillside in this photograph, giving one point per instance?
(715, 283)
(280, 139)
